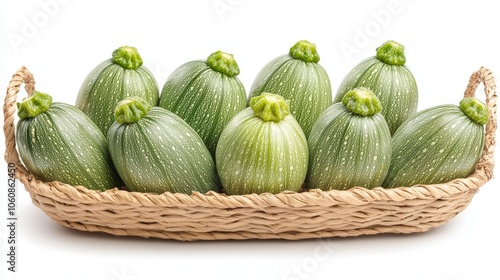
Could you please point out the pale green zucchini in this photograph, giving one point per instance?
(262, 149)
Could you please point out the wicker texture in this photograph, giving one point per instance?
(288, 215)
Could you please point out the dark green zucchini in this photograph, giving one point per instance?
(299, 78)
(350, 144)
(206, 94)
(438, 144)
(390, 80)
(156, 151)
(58, 142)
(113, 80)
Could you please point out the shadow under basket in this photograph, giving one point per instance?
(288, 215)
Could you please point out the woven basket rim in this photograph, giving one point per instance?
(355, 196)
(307, 198)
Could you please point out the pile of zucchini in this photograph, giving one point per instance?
(202, 132)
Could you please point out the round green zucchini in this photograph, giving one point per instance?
(438, 144)
(390, 79)
(58, 142)
(262, 149)
(350, 144)
(113, 80)
(299, 78)
(206, 94)
(156, 151)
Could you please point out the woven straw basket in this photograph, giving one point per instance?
(288, 215)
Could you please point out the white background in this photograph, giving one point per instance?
(61, 41)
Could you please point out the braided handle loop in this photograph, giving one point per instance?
(9, 110)
(483, 75)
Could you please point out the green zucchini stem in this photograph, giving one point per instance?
(127, 57)
(392, 53)
(223, 63)
(270, 107)
(475, 110)
(305, 50)
(131, 110)
(362, 101)
(34, 105)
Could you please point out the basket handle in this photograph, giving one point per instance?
(484, 75)
(9, 109)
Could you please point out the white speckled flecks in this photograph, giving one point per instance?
(255, 156)
(63, 144)
(348, 150)
(107, 84)
(305, 84)
(205, 98)
(160, 153)
(434, 146)
(394, 85)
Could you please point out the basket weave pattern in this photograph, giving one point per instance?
(288, 215)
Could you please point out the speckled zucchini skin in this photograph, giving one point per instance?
(205, 98)
(390, 80)
(161, 152)
(109, 83)
(348, 150)
(434, 146)
(257, 156)
(63, 144)
(305, 84)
